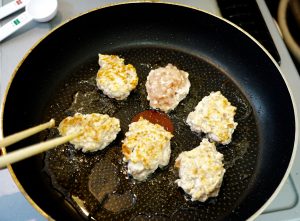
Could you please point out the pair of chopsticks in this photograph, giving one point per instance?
(32, 150)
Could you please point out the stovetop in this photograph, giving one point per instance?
(13, 206)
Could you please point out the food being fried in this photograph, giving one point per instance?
(166, 87)
(99, 130)
(214, 115)
(156, 117)
(146, 147)
(114, 78)
(201, 171)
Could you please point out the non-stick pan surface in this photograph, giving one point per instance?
(57, 79)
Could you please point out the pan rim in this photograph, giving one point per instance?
(295, 107)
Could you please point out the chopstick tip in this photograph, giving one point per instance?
(52, 123)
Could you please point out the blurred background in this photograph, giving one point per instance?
(287, 15)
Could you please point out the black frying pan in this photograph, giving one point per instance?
(217, 55)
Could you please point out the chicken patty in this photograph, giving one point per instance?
(201, 171)
(114, 78)
(99, 130)
(166, 87)
(214, 115)
(146, 147)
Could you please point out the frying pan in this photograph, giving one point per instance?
(56, 79)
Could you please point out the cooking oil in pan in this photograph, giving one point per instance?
(97, 184)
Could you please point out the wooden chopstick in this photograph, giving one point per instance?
(26, 133)
(32, 150)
